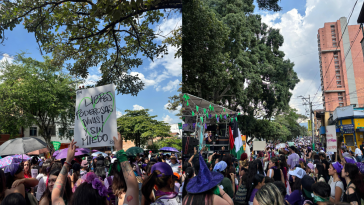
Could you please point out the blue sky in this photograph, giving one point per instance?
(299, 22)
(161, 77)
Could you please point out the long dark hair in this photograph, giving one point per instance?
(2, 185)
(68, 190)
(258, 178)
(248, 177)
(259, 164)
(151, 181)
(189, 175)
(297, 184)
(85, 194)
(356, 177)
(321, 171)
(118, 185)
(149, 167)
(283, 162)
(204, 198)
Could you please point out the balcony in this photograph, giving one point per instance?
(330, 50)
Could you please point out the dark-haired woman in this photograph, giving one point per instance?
(119, 187)
(27, 173)
(189, 174)
(319, 171)
(258, 182)
(5, 192)
(354, 180)
(43, 179)
(274, 171)
(336, 185)
(296, 198)
(46, 198)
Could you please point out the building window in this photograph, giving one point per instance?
(71, 132)
(336, 62)
(52, 130)
(33, 131)
(340, 98)
(338, 77)
(341, 104)
(337, 72)
(338, 82)
(334, 44)
(339, 94)
(339, 86)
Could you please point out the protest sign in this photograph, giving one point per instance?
(259, 145)
(56, 145)
(290, 143)
(280, 146)
(34, 173)
(95, 119)
(331, 145)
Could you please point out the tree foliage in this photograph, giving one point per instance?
(35, 93)
(230, 57)
(109, 34)
(139, 127)
(167, 142)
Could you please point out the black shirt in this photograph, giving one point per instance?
(362, 148)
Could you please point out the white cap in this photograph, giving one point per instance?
(114, 152)
(298, 172)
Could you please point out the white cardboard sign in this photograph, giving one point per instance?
(34, 173)
(95, 119)
(331, 143)
(259, 145)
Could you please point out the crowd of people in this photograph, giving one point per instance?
(290, 175)
(150, 179)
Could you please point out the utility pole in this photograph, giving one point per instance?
(309, 103)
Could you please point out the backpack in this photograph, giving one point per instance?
(241, 195)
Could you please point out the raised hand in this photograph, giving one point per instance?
(71, 151)
(118, 143)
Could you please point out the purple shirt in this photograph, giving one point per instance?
(293, 159)
(253, 194)
(295, 198)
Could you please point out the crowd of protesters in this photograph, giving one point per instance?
(116, 179)
(290, 175)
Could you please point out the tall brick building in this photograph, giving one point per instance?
(342, 81)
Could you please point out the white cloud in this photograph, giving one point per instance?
(90, 80)
(168, 119)
(7, 57)
(172, 65)
(118, 114)
(171, 86)
(167, 26)
(138, 107)
(173, 112)
(300, 41)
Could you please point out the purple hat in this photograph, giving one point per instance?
(164, 168)
(311, 166)
(205, 179)
(301, 160)
(360, 166)
(338, 167)
(348, 160)
(12, 169)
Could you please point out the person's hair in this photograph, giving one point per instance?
(258, 178)
(118, 185)
(297, 184)
(44, 168)
(151, 181)
(14, 199)
(321, 170)
(259, 166)
(322, 189)
(189, 175)
(149, 166)
(275, 160)
(316, 157)
(100, 172)
(10, 179)
(247, 178)
(269, 194)
(228, 159)
(302, 164)
(268, 180)
(281, 187)
(54, 165)
(204, 198)
(76, 171)
(30, 164)
(86, 194)
(68, 190)
(322, 155)
(34, 160)
(356, 177)
(2, 184)
(283, 162)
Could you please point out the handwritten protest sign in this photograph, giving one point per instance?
(259, 145)
(34, 173)
(331, 145)
(95, 119)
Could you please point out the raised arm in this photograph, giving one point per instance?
(59, 186)
(132, 194)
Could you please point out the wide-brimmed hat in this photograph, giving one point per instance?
(298, 172)
(205, 179)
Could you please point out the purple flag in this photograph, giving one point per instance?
(205, 126)
(225, 117)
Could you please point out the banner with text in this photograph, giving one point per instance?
(331, 145)
(95, 119)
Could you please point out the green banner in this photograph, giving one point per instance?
(56, 145)
(180, 126)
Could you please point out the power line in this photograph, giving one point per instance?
(347, 23)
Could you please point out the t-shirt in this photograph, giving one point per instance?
(253, 194)
(41, 187)
(174, 167)
(295, 198)
(293, 159)
(357, 152)
(333, 186)
(226, 183)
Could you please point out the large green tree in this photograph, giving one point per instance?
(35, 93)
(114, 35)
(139, 127)
(231, 57)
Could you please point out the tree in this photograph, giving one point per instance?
(109, 34)
(232, 58)
(167, 142)
(35, 93)
(139, 127)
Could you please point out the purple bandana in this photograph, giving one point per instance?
(165, 195)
